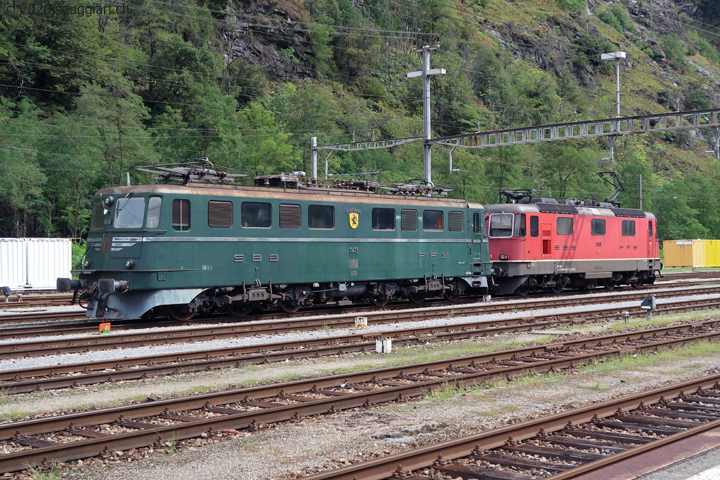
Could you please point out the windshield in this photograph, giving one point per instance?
(129, 212)
(501, 225)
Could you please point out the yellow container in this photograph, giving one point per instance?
(712, 253)
(685, 253)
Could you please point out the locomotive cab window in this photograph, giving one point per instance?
(501, 225)
(129, 212)
(408, 220)
(564, 226)
(255, 215)
(455, 221)
(98, 215)
(153, 215)
(628, 228)
(476, 223)
(383, 219)
(520, 225)
(181, 215)
(534, 226)
(290, 216)
(321, 217)
(597, 226)
(432, 220)
(220, 214)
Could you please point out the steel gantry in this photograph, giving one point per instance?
(689, 120)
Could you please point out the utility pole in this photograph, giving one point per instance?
(426, 73)
(615, 56)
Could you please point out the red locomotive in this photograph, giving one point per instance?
(540, 244)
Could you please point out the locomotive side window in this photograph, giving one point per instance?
(290, 216)
(181, 215)
(321, 216)
(476, 223)
(650, 231)
(520, 225)
(501, 225)
(383, 219)
(98, 215)
(220, 214)
(408, 220)
(255, 215)
(597, 227)
(129, 212)
(432, 220)
(564, 225)
(455, 221)
(628, 228)
(153, 216)
(534, 226)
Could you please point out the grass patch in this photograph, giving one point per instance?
(639, 361)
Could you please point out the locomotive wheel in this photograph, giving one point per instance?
(523, 289)
(417, 297)
(240, 309)
(180, 313)
(609, 283)
(635, 284)
(557, 288)
(289, 306)
(451, 295)
(379, 301)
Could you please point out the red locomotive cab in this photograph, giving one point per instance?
(509, 240)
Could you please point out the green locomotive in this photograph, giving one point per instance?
(195, 242)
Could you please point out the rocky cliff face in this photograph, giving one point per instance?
(265, 35)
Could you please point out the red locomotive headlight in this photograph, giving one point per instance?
(504, 256)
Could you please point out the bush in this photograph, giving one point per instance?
(674, 52)
(575, 6)
(609, 18)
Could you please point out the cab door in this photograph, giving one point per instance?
(479, 247)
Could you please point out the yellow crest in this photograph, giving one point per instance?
(354, 219)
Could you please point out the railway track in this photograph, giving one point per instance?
(91, 433)
(337, 321)
(568, 445)
(35, 299)
(160, 336)
(134, 368)
(9, 319)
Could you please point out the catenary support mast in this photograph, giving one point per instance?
(426, 73)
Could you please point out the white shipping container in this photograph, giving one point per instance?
(34, 263)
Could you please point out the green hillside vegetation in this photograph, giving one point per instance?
(87, 95)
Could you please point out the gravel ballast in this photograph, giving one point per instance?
(287, 451)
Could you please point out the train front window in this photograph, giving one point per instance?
(129, 212)
(501, 225)
(98, 215)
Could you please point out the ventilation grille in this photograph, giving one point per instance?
(220, 214)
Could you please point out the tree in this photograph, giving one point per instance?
(117, 133)
(21, 177)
